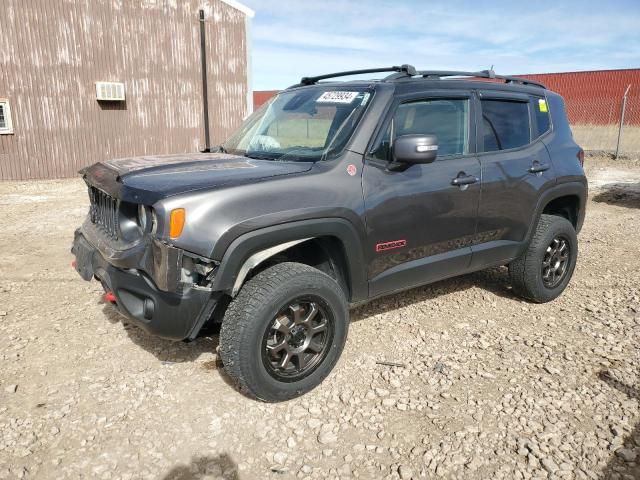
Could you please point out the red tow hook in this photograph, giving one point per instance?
(109, 297)
(73, 264)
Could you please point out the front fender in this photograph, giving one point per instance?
(246, 245)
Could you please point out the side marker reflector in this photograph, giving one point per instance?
(176, 223)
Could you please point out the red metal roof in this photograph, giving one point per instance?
(261, 96)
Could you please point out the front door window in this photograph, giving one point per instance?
(447, 119)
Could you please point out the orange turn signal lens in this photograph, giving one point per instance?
(176, 223)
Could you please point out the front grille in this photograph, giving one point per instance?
(104, 212)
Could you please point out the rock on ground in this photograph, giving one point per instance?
(478, 383)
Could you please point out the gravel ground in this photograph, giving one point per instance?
(485, 386)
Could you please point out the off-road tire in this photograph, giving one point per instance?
(251, 313)
(526, 271)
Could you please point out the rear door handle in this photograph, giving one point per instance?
(464, 179)
(538, 167)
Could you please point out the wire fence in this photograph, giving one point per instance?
(596, 123)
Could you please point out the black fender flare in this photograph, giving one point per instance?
(575, 188)
(246, 245)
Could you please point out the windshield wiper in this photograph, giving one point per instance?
(259, 156)
(293, 153)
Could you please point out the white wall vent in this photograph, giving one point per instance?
(110, 91)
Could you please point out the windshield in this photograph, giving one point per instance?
(304, 125)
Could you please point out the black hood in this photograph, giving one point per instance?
(151, 178)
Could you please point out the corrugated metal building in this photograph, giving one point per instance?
(595, 97)
(261, 96)
(594, 105)
(53, 53)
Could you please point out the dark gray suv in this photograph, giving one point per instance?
(330, 195)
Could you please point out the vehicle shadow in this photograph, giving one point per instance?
(620, 194)
(619, 467)
(493, 280)
(169, 352)
(164, 350)
(219, 466)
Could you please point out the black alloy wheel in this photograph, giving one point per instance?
(297, 339)
(556, 261)
(284, 331)
(544, 269)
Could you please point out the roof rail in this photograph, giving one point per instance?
(408, 71)
(480, 74)
(404, 70)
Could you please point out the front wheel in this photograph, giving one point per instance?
(284, 332)
(543, 271)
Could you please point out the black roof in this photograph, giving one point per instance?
(408, 72)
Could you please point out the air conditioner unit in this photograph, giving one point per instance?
(110, 91)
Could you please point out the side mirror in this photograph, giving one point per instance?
(415, 148)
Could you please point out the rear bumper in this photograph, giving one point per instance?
(173, 315)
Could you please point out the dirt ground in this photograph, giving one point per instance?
(488, 386)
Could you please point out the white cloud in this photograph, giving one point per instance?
(292, 39)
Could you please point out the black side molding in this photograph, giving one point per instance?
(561, 190)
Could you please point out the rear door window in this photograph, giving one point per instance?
(505, 124)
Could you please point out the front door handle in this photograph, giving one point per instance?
(538, 167)
(464, 179)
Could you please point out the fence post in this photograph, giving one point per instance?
(624, 107)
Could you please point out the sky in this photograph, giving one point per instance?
(296, 38)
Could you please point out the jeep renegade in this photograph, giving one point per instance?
(330, 195)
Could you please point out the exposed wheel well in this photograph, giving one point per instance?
(566, 207)
(327, 254)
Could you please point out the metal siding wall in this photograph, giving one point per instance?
(594, 102)
(52, 53)
(595, 98)
(227, 42)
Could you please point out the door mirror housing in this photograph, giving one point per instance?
(415, 148)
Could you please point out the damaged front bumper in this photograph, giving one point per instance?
(146, 282)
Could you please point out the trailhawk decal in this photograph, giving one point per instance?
(382, 247)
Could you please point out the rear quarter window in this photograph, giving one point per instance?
(541, 115)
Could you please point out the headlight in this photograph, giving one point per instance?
(145, 218)
(154, 222)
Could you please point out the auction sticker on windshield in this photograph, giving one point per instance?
(337, 97)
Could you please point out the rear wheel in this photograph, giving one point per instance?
(544, 270)
(284, 332)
